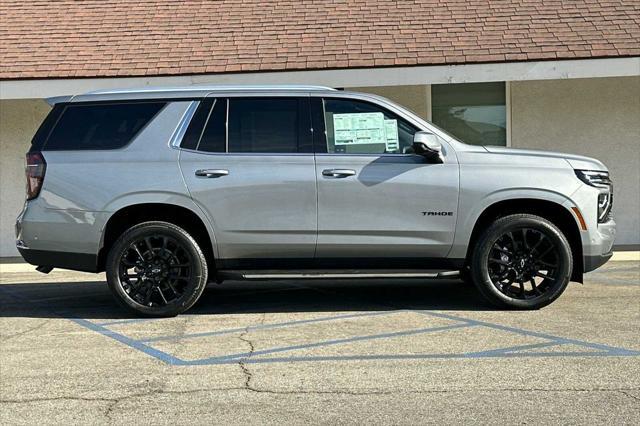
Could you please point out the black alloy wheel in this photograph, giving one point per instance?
(522, 261)
(156, 269)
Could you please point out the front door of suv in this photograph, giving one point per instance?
(378, 204)
(248, 163)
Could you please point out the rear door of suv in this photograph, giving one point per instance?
(248, 163)
(379, 205)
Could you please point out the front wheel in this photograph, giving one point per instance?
(522, 261)
(156, 269)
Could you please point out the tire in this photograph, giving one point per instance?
(521, 261)
(156, 269)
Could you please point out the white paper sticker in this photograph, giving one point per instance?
(391, 135)
(359, 128)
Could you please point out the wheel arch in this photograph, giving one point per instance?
(554, 212)
(132, 214)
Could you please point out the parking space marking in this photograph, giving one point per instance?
(262, 326)
(124, 321)
(134, 344)
(332, 342)
(144, 346)
(609, 350)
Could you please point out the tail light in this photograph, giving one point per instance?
(36, 168)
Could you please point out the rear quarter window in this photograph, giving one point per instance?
(98, 126)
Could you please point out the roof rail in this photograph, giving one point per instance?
(212, 88)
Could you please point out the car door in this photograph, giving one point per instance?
(378, 204)
(248, 163)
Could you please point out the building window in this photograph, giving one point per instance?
(475, 113)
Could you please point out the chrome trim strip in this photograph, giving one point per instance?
(325, 275)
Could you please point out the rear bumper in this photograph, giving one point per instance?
(594, 262)
(60, 259)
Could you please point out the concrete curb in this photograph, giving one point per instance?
(14, 267)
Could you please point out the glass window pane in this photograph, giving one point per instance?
(100, 126)
(194, 131)
(265, 125)
(215, 132)
(355, 127)
(475, 113)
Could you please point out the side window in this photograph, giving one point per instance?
(100, 126)
(193, 134)
(264, 125)
(250, 125)
(215, 132)
(208, 127)
(357, 127)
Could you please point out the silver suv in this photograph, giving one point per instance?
(167, 189)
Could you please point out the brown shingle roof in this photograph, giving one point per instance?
(100, 38)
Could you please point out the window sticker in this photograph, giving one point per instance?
(359, 128)
(391, 134)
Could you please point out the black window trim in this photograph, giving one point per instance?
(177, 143)
(65, 105)
(320, 148)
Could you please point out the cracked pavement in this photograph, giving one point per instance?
(54, 370)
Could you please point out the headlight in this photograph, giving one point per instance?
(597, 179)
(605, 198)
(605, 202)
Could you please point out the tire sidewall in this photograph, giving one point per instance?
(199, 268)
(480, 267)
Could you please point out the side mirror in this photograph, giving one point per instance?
(427, 145)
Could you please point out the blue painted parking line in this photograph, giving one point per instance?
(264, 326)
(400, 357)
(162, 356)
(125, 321)
(511, 350)
(263, 356)
(610, 350)
(332, 342)
(134, 344)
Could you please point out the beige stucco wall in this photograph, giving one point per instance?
(416, 98)
(598, 117)
(19, 119)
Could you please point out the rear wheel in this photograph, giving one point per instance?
(156, 269)
(521, 261)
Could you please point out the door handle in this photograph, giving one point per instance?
(211, 173)
(338, 173)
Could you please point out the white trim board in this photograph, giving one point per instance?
(392, 76)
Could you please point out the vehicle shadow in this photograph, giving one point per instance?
(92, 300)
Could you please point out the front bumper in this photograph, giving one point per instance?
(592, 263)
(597, 245)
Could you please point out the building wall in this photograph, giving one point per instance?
(597, 117)
(19, 119)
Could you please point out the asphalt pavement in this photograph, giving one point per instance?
(319, 352)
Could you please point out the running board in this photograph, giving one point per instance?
(333, 274)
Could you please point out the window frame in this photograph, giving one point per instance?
(304, 126)
(317, 110)
(43, 140)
